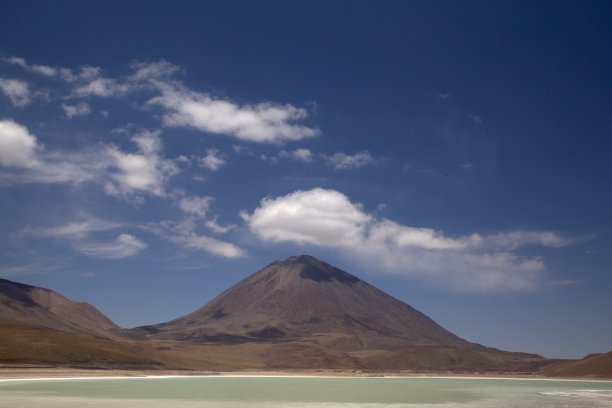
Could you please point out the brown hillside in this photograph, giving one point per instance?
(27, 344)
(596, 366)
(46, 308)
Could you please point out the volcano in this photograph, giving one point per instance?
(305, 313)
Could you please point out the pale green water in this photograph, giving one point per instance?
(224, 392)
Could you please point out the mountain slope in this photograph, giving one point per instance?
(302, 306)
(303, 296)
(46, 308)
(40, 326)
(22, 343)
(594, 365)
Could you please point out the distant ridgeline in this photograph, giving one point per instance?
(300, 313)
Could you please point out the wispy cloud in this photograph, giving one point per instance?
(102, 87)
(148, 71)
(52, 167)
(215, 227)
(39, 69)
(88, 80)
(123, 246)
(212, 160)
(84, 236)
(474, 262)
(475, 118)
(195, 205)
(27, 269)
(343, 161)
(79, 228)
(78, 109)
(184, 234)
(208, 244)
(17, 91)
(302, 154)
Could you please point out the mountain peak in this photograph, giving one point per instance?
(302, 259)
(317, 270)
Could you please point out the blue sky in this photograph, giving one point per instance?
(455, 155)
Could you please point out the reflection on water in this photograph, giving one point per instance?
(224, 392)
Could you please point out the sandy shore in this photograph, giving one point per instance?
(52, 373)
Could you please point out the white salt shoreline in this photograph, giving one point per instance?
(154, 377)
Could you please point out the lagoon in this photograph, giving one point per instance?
(298, 392)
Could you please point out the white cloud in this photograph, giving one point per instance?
(195, 205)
(123, 246)
(17, 91)
(476, 263)
(145, 172)
(212, 161)
(79, 109)
(17, 145)
(343, 161)
(266, 122)
(184, 234)
(318, 216)
(125, 175)
(217, 228)
(39, 69)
